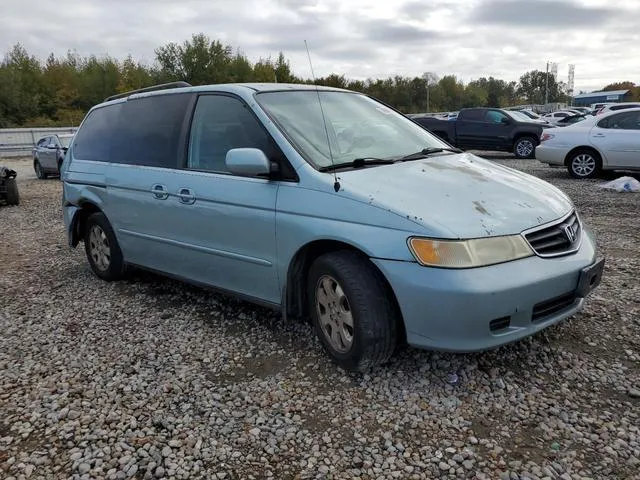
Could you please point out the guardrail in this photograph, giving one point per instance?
(19, 142)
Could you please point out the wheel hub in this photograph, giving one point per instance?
(99, 248)
(334, 314)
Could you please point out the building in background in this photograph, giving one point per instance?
(586, 99)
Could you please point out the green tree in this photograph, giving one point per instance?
(533, 84)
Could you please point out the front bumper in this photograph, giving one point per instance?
(551, 155)
(482, 308)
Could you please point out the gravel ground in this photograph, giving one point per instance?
(151, 378)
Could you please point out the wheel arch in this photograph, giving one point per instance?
(590, 148)
(295, 302)
(87, 207)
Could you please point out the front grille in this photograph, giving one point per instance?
(547, 308)
(558, 239)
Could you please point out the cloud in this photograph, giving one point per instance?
(355, 38)
(542, 14)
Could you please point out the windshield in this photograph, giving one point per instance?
(65, 141)
(357, 126)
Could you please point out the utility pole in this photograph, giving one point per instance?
(546, 86)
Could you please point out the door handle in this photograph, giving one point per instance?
(599, 135)
(186, 196)
(159, 191)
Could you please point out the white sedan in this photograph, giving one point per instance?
(605, 142)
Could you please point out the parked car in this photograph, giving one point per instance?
(554, 117)
(532, 115)
(523, 117)
(570, 120)
(607, 142)
(48, 154)
(487, 129)
(385, 235)
(583, 110)
(9, 193)
(614, 107)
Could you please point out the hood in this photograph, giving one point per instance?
(458, 196)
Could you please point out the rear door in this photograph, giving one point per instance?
(618, 138)
(470, 126)
(142, 180)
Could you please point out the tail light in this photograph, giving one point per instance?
(546, 136)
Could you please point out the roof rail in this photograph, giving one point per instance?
(163, 86)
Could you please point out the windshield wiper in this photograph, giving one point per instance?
(357, 163)
(425, 152)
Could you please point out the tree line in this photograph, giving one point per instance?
(59, 91)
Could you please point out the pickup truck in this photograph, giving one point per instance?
(486, 129)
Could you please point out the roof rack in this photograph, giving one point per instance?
(163, 86)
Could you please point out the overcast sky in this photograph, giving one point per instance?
(357, 38)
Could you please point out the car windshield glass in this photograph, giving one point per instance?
(65, 141)
(357, 126)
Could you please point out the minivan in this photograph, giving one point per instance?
(326, 204)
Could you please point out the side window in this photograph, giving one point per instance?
(93, 140)
(43, 142)
(495, 117)
(622, 121)
(474, 115)
(221, 123)
(149, 130)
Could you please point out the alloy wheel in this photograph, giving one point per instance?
(583, 165)
(99, 248)
(334, 313)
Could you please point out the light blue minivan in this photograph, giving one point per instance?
(328, 204)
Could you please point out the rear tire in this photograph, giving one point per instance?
(352, 310)
(584, 163)
(102, 248)
(13, 196)
(39, 171)
(525, 147)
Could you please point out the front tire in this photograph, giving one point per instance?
(525, 147)
(12, 195)
(39, 170)
(584, 164)
(102, 248)
(352, 310)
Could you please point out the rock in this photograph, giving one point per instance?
(634, 393)
(468, 464)
(166, 451)
(443, 466)
(84, 468)
(255, 432)
(159, 473)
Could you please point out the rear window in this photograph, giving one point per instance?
(149, 130)
(93, 140)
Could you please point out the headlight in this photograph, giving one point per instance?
(468, 253)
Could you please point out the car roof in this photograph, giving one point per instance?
(238, 88)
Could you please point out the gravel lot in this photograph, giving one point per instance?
(153, 378)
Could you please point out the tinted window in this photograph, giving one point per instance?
(221, 123)
(149, 130)
(622, 121)
(93, 140)
(43, 142)
(495, 117)
(473, 115)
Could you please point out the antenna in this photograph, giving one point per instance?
(336, 184)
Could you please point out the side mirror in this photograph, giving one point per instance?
(249, 162)
(504, 121)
